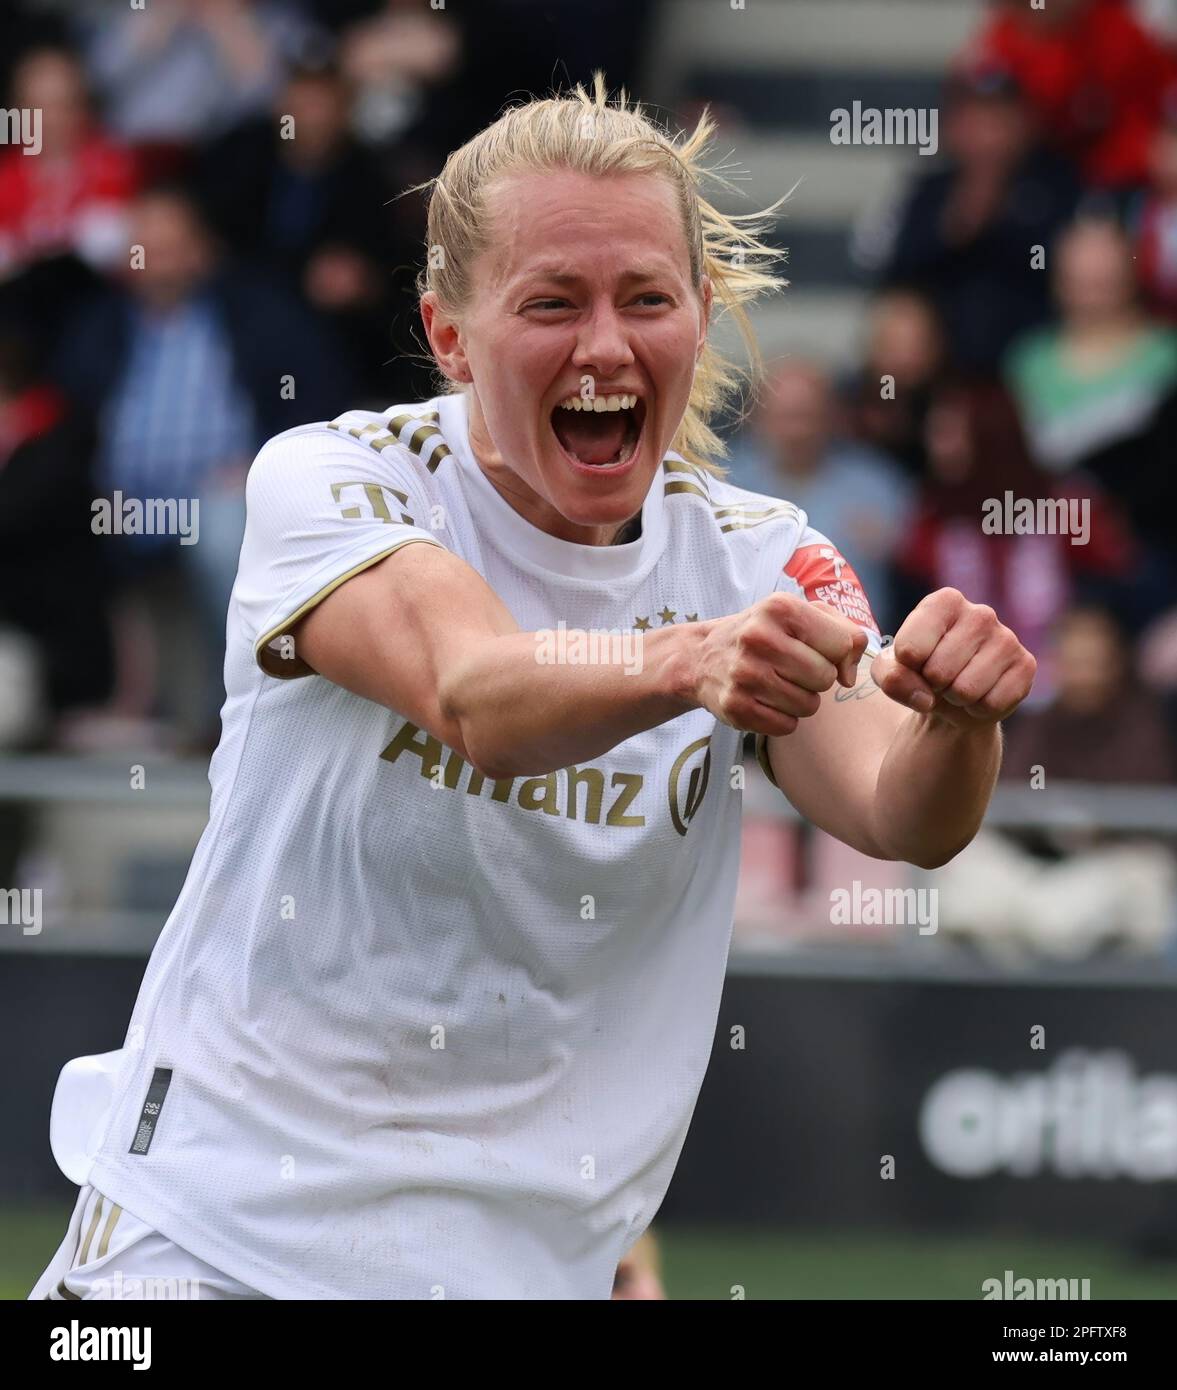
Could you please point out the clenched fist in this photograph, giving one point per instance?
(765, 668)
(955, 658)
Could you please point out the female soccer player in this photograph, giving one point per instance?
(432, 1012)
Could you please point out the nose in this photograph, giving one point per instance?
(602, 343)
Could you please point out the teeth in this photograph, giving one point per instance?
(599, 403)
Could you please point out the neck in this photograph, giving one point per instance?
(628, 531)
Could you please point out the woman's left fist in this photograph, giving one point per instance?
(954, 659)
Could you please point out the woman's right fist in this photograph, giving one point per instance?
(765, 668)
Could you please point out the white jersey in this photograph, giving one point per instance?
(409, 1033)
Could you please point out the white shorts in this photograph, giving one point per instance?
(108, 1253)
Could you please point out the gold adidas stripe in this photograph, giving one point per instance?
(379, 435)
(108, 1231)
(358, 431)
(671, 488)
(690, 469)
(78, 1242)
(742, 518)
(94, 1220)
(62, 1291)
(777, 509)
(426, 432)
(748, 525)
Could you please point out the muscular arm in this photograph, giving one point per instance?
(422, 633)
(891, 782)
(903, 766)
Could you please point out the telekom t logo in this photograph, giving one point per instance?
(828, 553)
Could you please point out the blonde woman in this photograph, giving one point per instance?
(432, 1012)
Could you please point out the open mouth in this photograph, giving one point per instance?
(600, 433)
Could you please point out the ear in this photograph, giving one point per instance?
(708, 294)
(445, 339)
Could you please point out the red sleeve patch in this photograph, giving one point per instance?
(822, 573)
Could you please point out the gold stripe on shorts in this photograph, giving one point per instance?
(61, 1291)
(94, 1220)
(108, 1231)
(78, 1242)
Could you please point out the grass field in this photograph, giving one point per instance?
(706, 1263)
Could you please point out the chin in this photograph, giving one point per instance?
(587, 495)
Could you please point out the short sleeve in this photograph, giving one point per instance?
(320, 509)
(818, 570)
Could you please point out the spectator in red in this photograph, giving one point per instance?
(1095, 75)
(72, 195)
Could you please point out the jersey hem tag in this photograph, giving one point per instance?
(153, 1104)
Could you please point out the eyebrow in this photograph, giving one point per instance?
(558, 276)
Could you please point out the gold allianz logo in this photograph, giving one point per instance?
(585, 795)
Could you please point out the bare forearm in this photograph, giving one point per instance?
(517, 712)
(933, 787)
(422, 633)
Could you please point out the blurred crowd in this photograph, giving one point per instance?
(211, 243)
(1022, 343)
(1021, 340)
